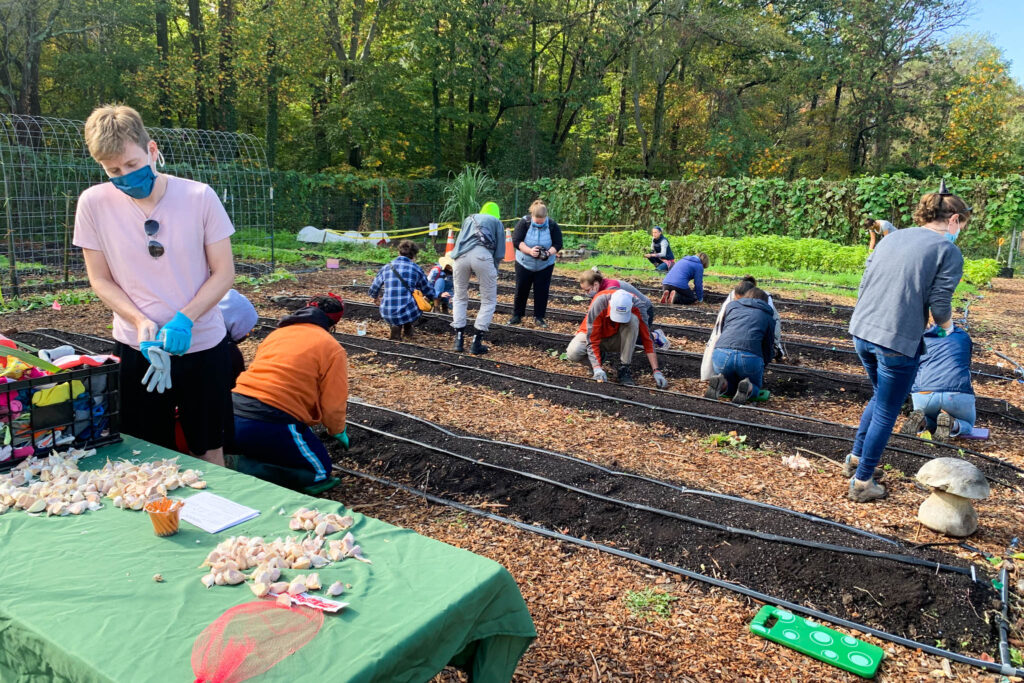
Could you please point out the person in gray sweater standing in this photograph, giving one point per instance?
(911, 272)
(479, 250)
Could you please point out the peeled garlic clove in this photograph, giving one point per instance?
(233, 577)
(279, 587)
(208, 580)
(336, 588)
(260, 589)
(302, 563)
(313, 582)
(297, 586)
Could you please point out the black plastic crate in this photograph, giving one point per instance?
(77, 408)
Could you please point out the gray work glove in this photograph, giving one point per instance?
(158, 376)
(660, 380)
(600, 375)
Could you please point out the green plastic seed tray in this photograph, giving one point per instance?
(814, 640)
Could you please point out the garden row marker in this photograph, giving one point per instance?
(814, 640)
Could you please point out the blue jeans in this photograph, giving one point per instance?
(892, 374)
(441, 286)
(737, 365)
(959, 406)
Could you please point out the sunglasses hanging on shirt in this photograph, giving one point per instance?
(152, 227)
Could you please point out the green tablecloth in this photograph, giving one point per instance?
(79, 603)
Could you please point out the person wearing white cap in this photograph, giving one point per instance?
(613, 324)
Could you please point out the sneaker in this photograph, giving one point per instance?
(515, 320)
(865, 491)
(717, 386)
(744, 391)
(626, 376)
(660, 340)
(914, 424)
(850, 468)
(943, 427)
(539, 322)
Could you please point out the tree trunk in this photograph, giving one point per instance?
(195, 31)
(470, 130)
(321, 156)
(164, 78)
(832, 126)
(227, 115)
(273, 100)
(620, 126)
(435, 106)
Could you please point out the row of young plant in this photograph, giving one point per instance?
(785, 253)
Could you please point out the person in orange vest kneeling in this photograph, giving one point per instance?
(613, 325)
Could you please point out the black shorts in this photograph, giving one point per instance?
(200, 393)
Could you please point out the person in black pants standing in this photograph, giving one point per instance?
(536, 239)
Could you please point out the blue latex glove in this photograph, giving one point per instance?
(145, 347)
(177, 334)
(342, 438)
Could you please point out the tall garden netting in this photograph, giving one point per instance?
(44, 166)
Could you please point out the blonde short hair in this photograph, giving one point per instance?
(539, 208)
(110, 128)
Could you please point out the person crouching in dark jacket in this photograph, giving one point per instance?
(943, 395)
(743, 349)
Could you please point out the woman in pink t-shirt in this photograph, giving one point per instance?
(158, 252)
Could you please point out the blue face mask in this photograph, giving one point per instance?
(138, 184)
(951, 236)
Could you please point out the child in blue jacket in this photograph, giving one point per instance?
(676, 285)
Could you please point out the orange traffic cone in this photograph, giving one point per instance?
(449, 247)
(509, 252)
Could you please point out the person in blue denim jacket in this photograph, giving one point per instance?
(744, 347)
(441, 278)
(942, 394)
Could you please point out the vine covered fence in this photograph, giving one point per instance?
(44, 166)
(834, 210)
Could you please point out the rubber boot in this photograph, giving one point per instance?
(626, 376)
(396, 333)
(407, 331)
(478, 347)
(865, 491)
(914, 424)
(717, 386)
(460, 340)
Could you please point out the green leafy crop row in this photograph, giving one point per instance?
(785, 253)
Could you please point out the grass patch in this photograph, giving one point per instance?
(649, 604)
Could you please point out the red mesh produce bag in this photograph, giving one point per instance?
(249, 639)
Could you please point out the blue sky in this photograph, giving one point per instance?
(1003, 21)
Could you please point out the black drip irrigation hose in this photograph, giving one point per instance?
(795, 416)
(994, 667)
(1017, 369)
(696, 521)
(685, 413)
(60, 341)
(658, 482)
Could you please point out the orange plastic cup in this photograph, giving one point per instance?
(163, 512)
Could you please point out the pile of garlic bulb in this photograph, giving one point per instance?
(56, 486)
